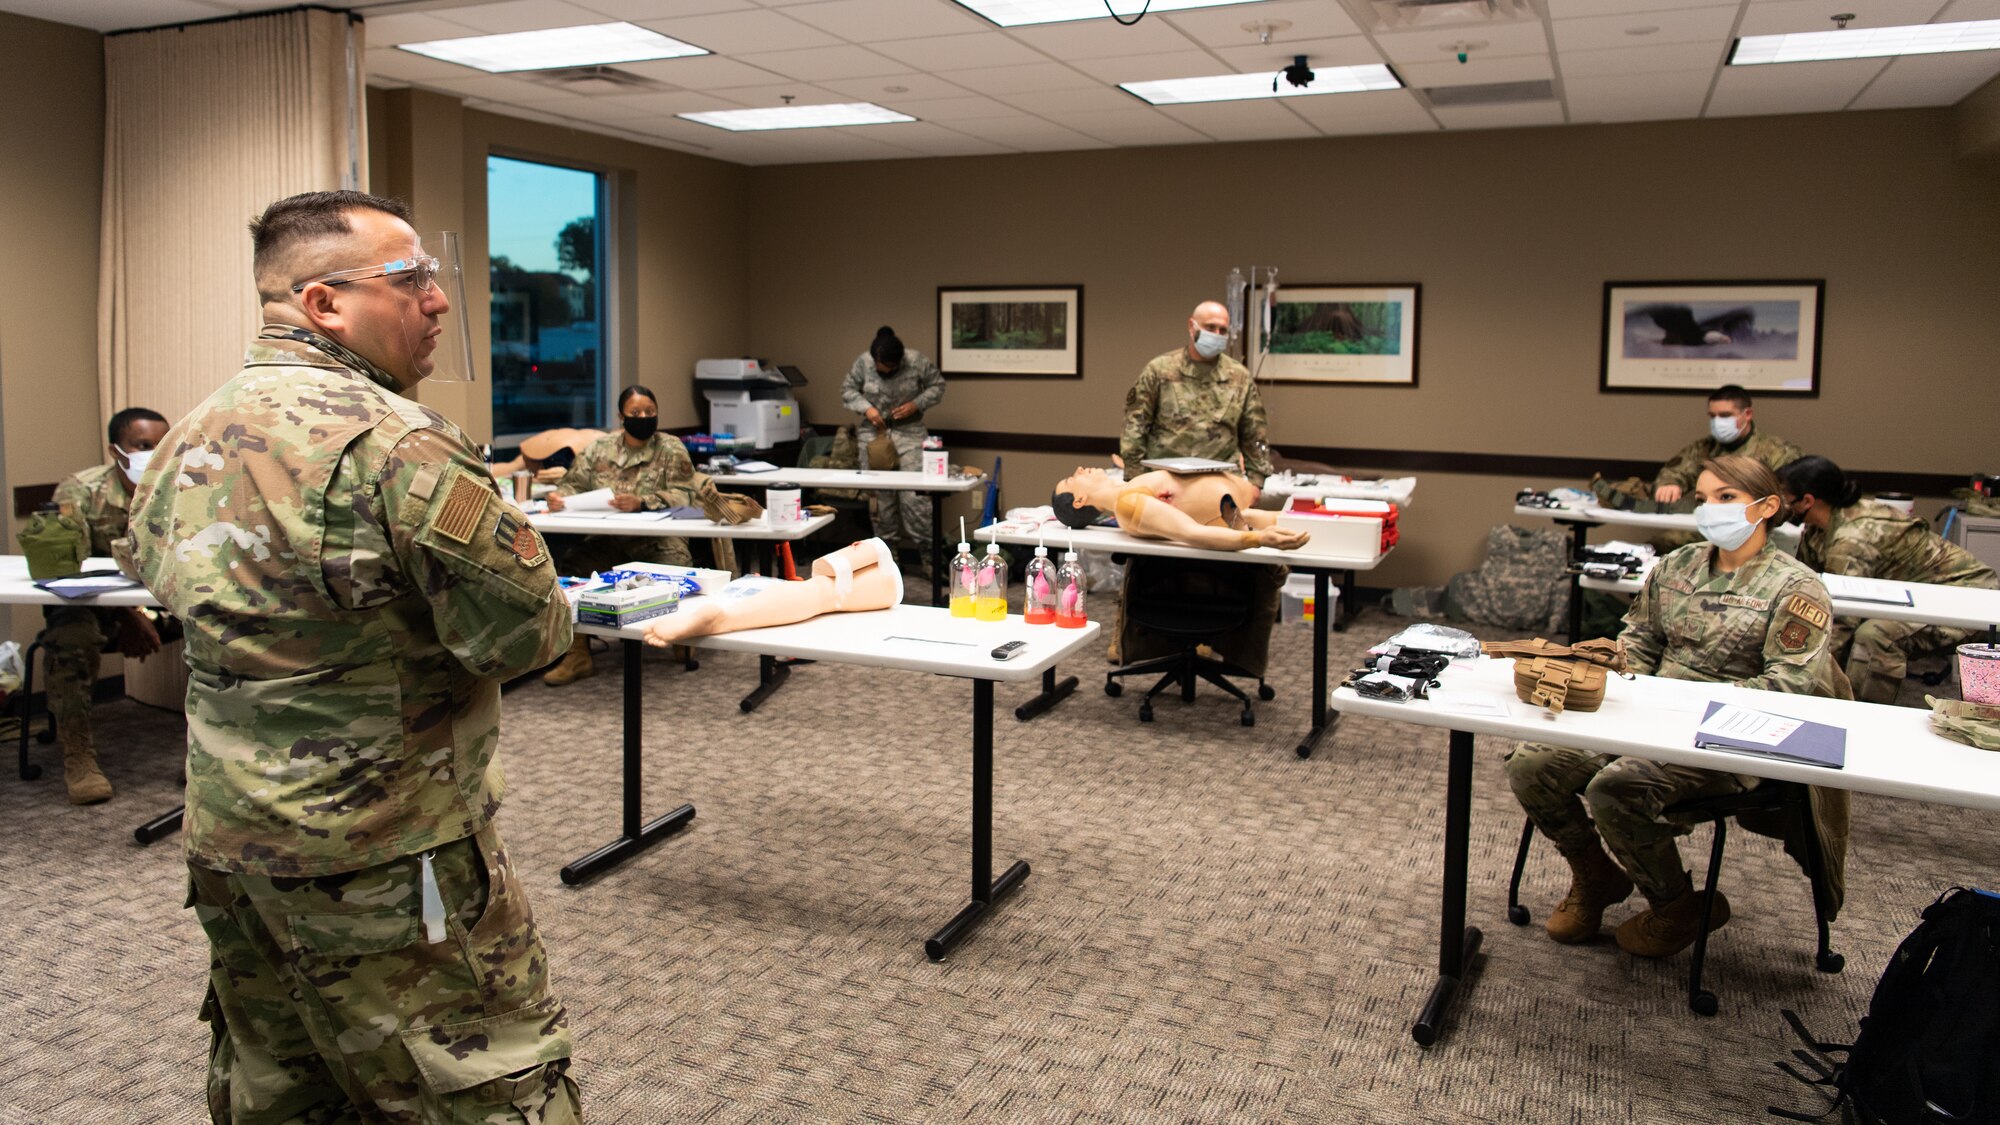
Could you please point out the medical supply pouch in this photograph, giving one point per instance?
(729, 508)
(882, 452)
(55, 542)
(1974, 724)
(1561, 677)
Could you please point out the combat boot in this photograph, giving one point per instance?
(1595, 882)
(86, 783)
(576, 665)
(1667, 928)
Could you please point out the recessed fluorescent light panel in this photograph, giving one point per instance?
(1239, 87)
(556, 47)
(1867, 43)
(797, 117)
(1018, 13)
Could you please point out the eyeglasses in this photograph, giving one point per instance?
(420, 269)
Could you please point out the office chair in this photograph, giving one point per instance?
(1788, 798)
(170, 631)
(1191, 602)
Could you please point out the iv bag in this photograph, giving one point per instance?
(1233, 289)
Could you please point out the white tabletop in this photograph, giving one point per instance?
(649, 524)
(1890, 750)
(911, 638)
(1961, 607)
(892, 480)
(1591, 513)
(1396, 490)
(16, 588)
(1059, 538)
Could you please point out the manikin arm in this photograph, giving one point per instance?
(860, 576)
(1149, 517)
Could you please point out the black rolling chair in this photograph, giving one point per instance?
(1784, 797)
(1192, 603)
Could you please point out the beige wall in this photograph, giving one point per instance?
(51, 174)
(1512, 234)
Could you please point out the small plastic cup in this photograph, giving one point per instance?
(1979, 673)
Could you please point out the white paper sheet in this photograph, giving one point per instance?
(1742, 724)
(1867, 589)
(596, 500)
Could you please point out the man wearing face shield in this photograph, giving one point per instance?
(76, 635)
(354, 589)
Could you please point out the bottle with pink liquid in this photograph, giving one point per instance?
(1038, 601)
(1069, 592)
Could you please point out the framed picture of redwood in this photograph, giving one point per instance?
(1680, 336)
(1023, 330)
(1337, 334)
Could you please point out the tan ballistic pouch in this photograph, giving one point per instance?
(728, 508)
(1555, 676)
(882, 452)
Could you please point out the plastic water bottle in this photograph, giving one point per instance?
(964, 580)
(1038, 601)
(992, 580)
(1069, 592)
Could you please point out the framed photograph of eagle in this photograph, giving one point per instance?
(1665, 336)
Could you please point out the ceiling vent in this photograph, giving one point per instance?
(1491, 93)
(1417, 15)
(596, 81)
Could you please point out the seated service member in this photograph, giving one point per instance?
(1732, 431)
(1845, 534)
(76, 634)
(1732, 610)
(354, 589)
(892, 388)
(645, 470)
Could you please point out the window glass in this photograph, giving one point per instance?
(545, 238)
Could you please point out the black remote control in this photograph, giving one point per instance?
(1009, 650)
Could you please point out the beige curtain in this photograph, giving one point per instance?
(204, 126)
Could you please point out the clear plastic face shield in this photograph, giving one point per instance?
(423, 330)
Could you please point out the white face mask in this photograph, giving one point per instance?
(135, 463)
(1725, 429)
(1725, 525)
(1208, 344)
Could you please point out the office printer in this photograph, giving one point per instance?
(750, 399)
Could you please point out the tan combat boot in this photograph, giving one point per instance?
(86, 783)
(1667, 928)
(576, 665)
(1595, 883)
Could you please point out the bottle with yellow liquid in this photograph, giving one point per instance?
(992, 585)
(964, 572)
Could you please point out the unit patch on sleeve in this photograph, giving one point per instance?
(1805, 609)
(518, 539)
(1793, 637)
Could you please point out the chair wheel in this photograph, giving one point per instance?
(1517, 914)
(691, 666)
(1113, 688)
(1145, 712)
(30, 772)
(1703, 1003)
(1249, 719)
(1303, 751)
(1265, 693)
(1830, 962)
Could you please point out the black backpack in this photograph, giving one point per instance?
(1929, 1048)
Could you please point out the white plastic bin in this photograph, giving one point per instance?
(1295, 599)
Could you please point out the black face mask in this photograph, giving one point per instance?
(641, 428)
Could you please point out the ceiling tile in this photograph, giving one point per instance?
(1572, 9)
(852, 143)
(1776, 17)
(1692, 25)
(815, 63)
(1141, 68)
(523, 15)
(413, 27)
(1223, 27)
(940, 53)
(1366, 126)
(116, 15)
(1929, 80)
(871, 21)
(1971, 10)
(499, 88)
(935, 140)
(1059, 104)
(1476, 71)
(1133, 127)
(911, 87)
(1344, 113)
(1501, 116)
(668, 104)
(1351, 51)
(949, 109)
(1820, 87)
(735, 33)
(1030, 134)
(703, 72)
(633, 11)
(1636, 97)
(394, 62)
(1644, 60)
(801, 93)
(1100, 39)
(1515, 38)
(1019, 79)
(1243, 121)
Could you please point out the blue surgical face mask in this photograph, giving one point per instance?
(1725, 524)
(1725, 429)
(1208, 344)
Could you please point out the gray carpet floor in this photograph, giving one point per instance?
(1215, 931)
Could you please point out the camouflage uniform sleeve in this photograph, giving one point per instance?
(850, 387)
(1685, 467)
(1643, 639)
(676, 479)
(485, 572)
(1853, 554)
(1251, 431)
(930, 386)
(1798, 651)
(72, 494)
(1141, 402)
(1781, 453)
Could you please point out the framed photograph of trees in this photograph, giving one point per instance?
(1027, 330)
(1337, 334)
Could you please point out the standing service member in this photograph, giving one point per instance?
(354, 588)
(892, 387)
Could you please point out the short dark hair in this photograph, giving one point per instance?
(116, 430)
(1732, 394)
(886, 349)
(1074, 515)
(634, 391)
(308, 216)
(1821, 479)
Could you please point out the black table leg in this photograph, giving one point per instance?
(1579, 533)
(1458, 943)
(937, 548)
(986, 890)
(635, 837)
(161, 826)
(772, 672)
(1345, 608)
(1322, 722)
(1052, 694)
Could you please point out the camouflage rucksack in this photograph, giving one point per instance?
(1519, 585)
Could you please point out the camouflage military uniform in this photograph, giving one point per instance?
(76, 635)
(1871, 540)
(1681, 472)
(902, 519)
(1180, 408)
(354, 587)
(1765, 626)
(659, 473)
